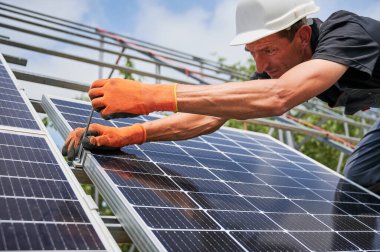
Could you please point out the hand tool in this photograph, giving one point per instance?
(80, 153)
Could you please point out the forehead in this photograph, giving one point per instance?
(271, 40)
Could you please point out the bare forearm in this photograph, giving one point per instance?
(260, 98)
(238, 100)
(181, 126)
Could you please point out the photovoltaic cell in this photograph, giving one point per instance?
(39, 207)
(13, 110)
(230, 190)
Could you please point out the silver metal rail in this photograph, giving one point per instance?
(92, 30)
(300, 130)
(89, 61)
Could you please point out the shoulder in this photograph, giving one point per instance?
(342, 15)
(347, 23)
(344, 39)
(340, 20)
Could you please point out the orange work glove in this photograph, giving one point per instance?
(102, 137)
(115, 98)
(71, 146)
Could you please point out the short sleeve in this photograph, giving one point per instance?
(344, 40)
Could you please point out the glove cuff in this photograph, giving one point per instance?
(161, 97)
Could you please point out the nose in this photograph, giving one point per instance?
(261, 64)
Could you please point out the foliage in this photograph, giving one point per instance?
(45, 121)
(246, 69)
(128, 75)
(248, 126)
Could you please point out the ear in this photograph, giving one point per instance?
(304, 34)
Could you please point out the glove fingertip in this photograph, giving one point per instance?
(71, 154)
(92, 133)
(64, 151)
(65, 148)
(87, 144)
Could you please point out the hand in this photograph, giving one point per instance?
(105, 136)
(101, 137)
(115, 98)
(71, 146)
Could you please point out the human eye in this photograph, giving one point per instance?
(270, 50)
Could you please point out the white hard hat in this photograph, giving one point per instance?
(256, 19)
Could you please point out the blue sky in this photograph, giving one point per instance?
(200, 27)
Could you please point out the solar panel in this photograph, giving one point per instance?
(14, 111)
(230, 190)
(39, 209)
(41, 206)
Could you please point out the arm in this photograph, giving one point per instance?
(181, 126)
(261, 98)
(240, 100)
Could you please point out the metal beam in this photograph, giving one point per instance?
(101, 49)
(50, 81)
(15, 60)
(92, 30)
(329, 140)
(88, 60)
(298, 129)
(333, 117)
(115, 229)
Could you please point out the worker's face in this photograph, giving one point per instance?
(275, 55)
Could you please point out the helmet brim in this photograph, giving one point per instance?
(252, 36)
(249, 37)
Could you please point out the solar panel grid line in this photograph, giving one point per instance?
(15, 208)
(186, 192)
(212, 202)
(201, 208)
(42, 202)
(247, 150)
(307, 159)
(338, 208)
(28, 113)
(47, 198)
(103, 233)
(182, 190)
(118, 204)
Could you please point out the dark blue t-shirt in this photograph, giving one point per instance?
(354, 41)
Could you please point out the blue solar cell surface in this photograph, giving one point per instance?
(13, 110)
(39, 210)
(232, 190)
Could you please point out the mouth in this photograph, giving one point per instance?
(274, 74)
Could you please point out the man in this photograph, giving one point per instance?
(336, 61)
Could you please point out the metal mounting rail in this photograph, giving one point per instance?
(90, 61)
(92, 30)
